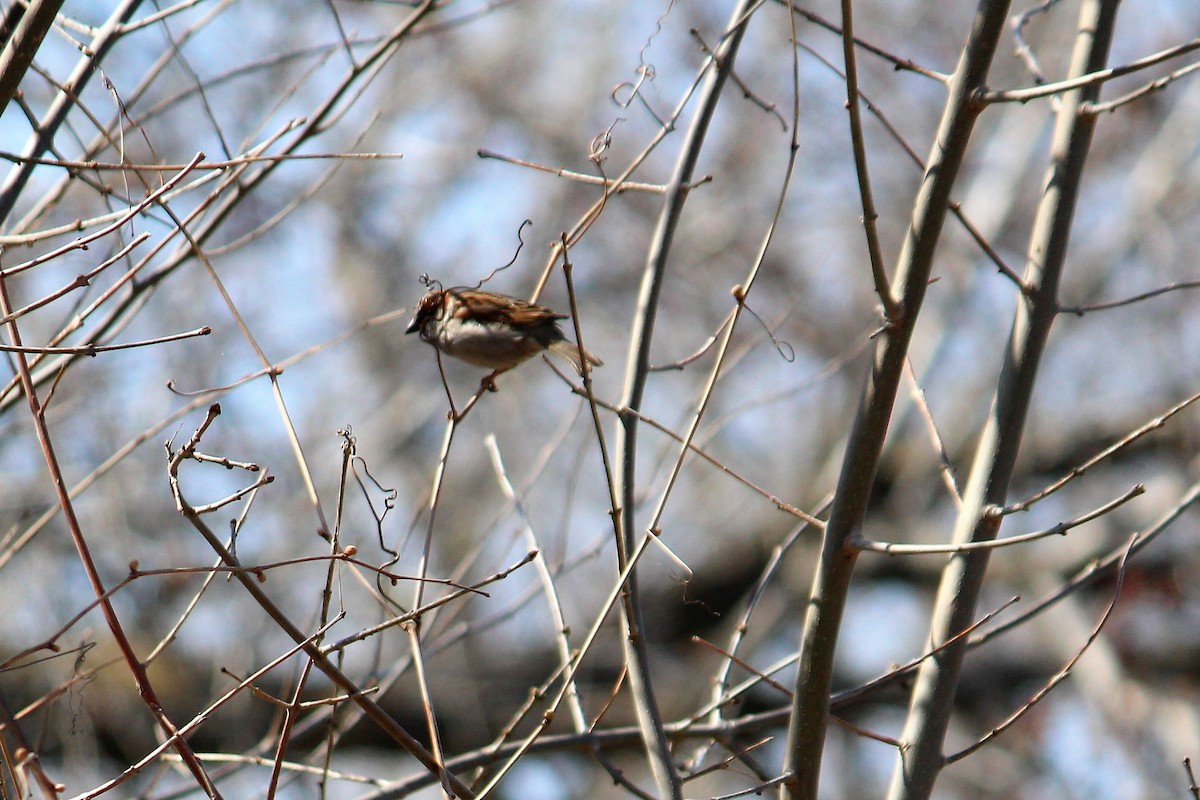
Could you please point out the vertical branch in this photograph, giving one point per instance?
(413, 629)
(136, 666)
(23, 44)
(637, 370)
(562, 639)
(831, 582)
(878, 273)
(64, 101)
(921, 757)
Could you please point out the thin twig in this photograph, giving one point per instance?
(1088, 80)
(1062, 674)
(1156, 85)
(698, 353)
(905, 64)
(135, 665)
(581, 177)
(1095, 568)
(80, 281)
(738, 755)
(93, 349)
(770, 108)
(945, 468)
(1023, 51)
(201, 166)
(418, 613)
(779, 502)
(870, 217)
(1114, 448)
(1060, 529)
(1192, 787)
(1079, 311)
(134, 769)
(553, 603)
(380, 717)
(82, 242)
(289, 766)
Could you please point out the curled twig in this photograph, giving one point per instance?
(511, 261)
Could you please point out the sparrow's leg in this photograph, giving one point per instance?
(489, 381)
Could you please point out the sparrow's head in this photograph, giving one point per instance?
(430, 309)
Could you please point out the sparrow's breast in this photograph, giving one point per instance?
(490, 345)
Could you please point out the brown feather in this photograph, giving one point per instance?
(491, 307)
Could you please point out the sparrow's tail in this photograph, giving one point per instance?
(570, 351)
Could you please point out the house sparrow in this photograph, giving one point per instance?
(491, 330)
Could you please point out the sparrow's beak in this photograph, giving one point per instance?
(413, 326)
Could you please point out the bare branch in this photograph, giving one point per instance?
(870, 216)
(919, 764)
(1060, 529)
(1116, 447)
(898, 62)
(82, 242)
(1079, 311)
(1061, 675)
(1156, 85)
(617, 186)
(637, 372)
(831, 583)
(381, 718)
(23, 43)
(1192, 787)
(1090, 80)
(94, 349)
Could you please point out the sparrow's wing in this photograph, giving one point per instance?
(492, 307)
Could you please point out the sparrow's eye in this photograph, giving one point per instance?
(431, 308)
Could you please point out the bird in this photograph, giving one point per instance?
(492, 330)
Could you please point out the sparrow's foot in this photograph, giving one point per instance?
(489, 382)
